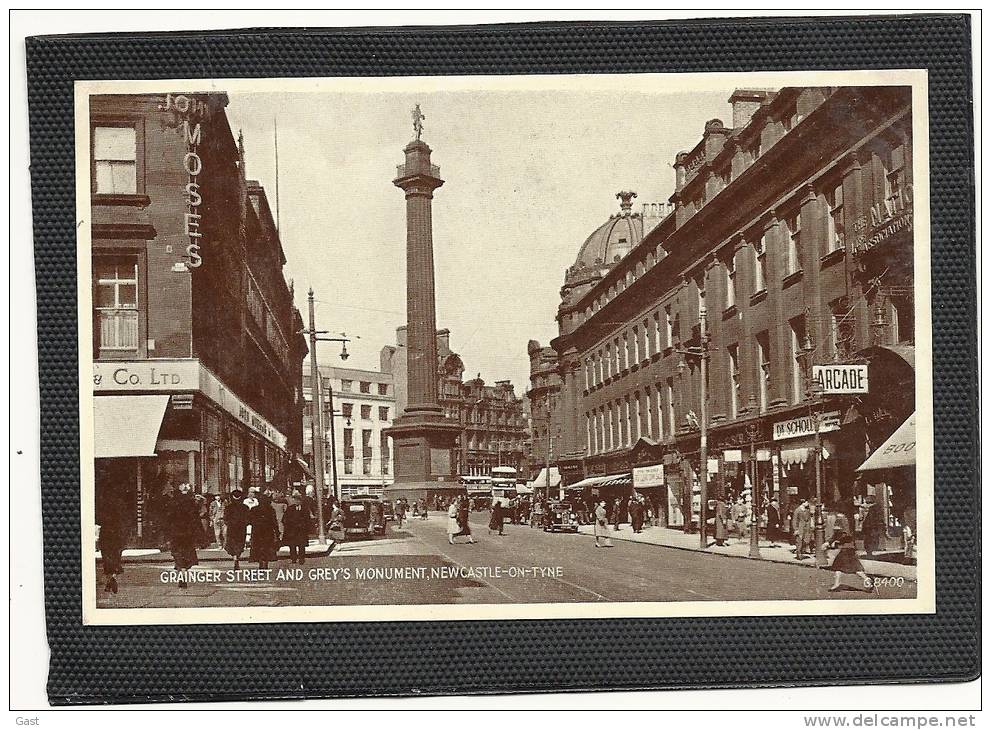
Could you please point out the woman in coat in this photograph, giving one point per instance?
(296, 529)
(452, 522)
(264, 532)
(236, 519)
(720, 520)
(801, 525)
(185, 530)
(601, 527)
(846, 560)
(496, 518)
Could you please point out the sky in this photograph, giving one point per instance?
(529, 174)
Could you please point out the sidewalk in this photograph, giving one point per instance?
(736, 548)
(151, 555)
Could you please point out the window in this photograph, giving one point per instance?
(116, 302)
(638, 344)
(733, 353)
(894, 180)
(383, 413)
(790, 119)
(384, 451)
(346, 386)
(364, 387)
(836, 237)
(652, 333)
(383, 388)
(348, 451)
(730, 268)
(763, 369)
(794, 243)
(760, 265)
(798, 354)
(668, 327)
(608, 369)
(651, 414)
(366, 413)
(115, 153)
(622, 352)
(347, 409)
(366, 452)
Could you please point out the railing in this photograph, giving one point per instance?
(407, 170)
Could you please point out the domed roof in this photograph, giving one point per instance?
(613, 239)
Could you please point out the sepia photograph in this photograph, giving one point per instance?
(482, 347)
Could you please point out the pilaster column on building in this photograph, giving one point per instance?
(813, 236)
(745, 253)
(779, 333)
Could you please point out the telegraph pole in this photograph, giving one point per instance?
(316, 418)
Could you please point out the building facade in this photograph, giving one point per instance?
(790, 242)
(545, 387)
(359, 405)
(493, 426)
(195, 345)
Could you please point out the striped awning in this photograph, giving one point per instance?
(610, 480)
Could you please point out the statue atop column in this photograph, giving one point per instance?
(418, 118)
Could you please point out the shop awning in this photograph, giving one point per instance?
(898, 450)
(127, 425)
(541, 481)
(301, 463)
(610, 480)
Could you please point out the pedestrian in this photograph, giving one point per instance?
(601, 527)
(846, 560)
(296, 529)
(264, 532)
(909, 522)
(236, 526)
(280, 504)
(400, 511)
(185, 531)
(773, 521)
(423, 509)
(616, 508)
(463, 523)
(636, 515)
(873, 526)
(111, 516)
(416, 508)
(452, 523)
(720, 522)
(203, 505)
(740, 518)
(217, 521)
(801, 527)
(496, 517)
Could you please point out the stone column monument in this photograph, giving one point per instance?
(424, 439)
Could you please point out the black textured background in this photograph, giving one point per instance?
(167, 663)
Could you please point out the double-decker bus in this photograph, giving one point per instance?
(503, 479)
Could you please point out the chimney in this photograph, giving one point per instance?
(745, 102)
(401, 336)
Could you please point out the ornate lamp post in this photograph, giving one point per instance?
(753, 433)
(811, 390)
(701, 353)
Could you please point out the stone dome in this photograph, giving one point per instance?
(611, 241)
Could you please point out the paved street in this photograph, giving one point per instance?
(417, 565)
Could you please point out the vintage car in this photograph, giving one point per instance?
(360, 514)
(560, 516)
(388, 510)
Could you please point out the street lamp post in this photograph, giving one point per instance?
(316, 411)
(755, 492)
(819, 532)
(702, 354)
